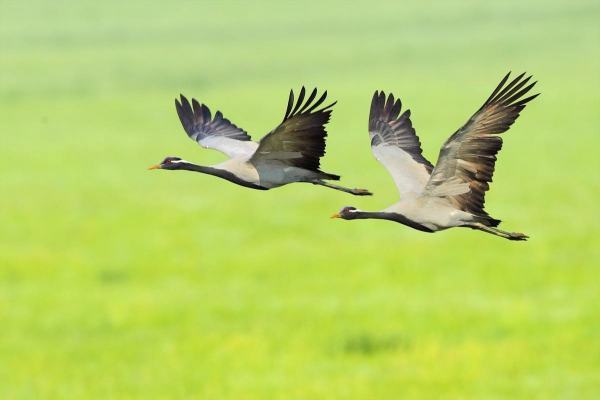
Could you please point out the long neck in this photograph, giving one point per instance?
(390, 217)
(199, 168)
(368, 215)
(221, 173)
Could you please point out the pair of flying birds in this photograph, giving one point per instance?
(449, 194)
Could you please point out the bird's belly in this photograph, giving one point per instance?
(439, 219)
(278, 176)
(272, 177)
(433, 214)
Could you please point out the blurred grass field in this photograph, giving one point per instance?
(117, 282)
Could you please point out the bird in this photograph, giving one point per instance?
(452, 193)
(290, 153)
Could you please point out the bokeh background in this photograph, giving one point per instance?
(117, 282)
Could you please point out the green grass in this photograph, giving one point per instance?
(117, 282)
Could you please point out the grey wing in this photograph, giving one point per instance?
(396, 145)
(467, 159)
(299, 140)
(216, 133)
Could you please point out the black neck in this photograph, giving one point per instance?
(390, 217)
(221, 173)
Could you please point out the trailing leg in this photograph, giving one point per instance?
(498, 232)
(356, 192)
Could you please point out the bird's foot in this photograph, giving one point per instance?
(517, 236)
(361, 192)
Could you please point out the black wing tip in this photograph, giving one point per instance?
(527, 100)
(379, 94)
(327, 107)
(510, 94)
(385, 107)
(306, 106)
(182, 100)
(184, 104)
(192, 114)
(518, 77)
(327, 110)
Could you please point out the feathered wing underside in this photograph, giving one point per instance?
(466, 162)
(396, 145)
(299, 140)
(216, 132)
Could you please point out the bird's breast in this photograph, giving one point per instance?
(241, 169)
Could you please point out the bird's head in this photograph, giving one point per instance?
(346, 213)
(169, 163)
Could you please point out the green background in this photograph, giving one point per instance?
(117, 282)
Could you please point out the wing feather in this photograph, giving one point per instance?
(396, 145)
(299, 140)
(216, 133)
(467, 159)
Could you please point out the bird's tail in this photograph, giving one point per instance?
(329, 177)
(486, 220)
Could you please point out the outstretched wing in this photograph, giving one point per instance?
(466, 162)
(396, 145)
(216, 133)
(299, 140)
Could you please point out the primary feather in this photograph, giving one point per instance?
(395, 144)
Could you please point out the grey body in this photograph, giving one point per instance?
(268, 175)
(451, 194)
(434, 213)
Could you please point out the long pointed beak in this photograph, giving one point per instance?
(155, 166)
(336, 215)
